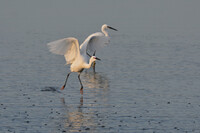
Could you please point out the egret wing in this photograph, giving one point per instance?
(69, 47)
(96, 41)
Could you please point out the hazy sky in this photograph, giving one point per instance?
(48, 14)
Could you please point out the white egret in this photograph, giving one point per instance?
(69, 47)
(77, 55)
(97, 40)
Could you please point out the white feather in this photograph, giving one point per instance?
(94, 42)
(69, 47)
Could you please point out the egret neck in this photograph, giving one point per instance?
(103, 29)
(92, 59)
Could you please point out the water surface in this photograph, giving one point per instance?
(147, 81)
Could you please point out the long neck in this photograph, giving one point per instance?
(87, 66)
(104, 31)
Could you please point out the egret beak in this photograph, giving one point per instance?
(97, 58)
(112, 28)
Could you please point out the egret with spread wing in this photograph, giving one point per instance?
(78, 56)
(69, 47)
(97, 40)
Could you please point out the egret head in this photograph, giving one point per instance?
(94, 58)
(105, 26)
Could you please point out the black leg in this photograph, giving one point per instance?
(81, 90)
(80, 80)
(65, 81)
(93, 66)
(94, 53)
(94, 63)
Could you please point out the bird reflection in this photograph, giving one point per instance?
(85, 115)
(76, 120)
(95, 80)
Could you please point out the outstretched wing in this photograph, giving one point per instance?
(69, 47)
(94, 42)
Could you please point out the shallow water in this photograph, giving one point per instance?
(147, 81)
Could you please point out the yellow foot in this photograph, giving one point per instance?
(62, 88)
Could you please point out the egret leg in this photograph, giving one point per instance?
(65, 81)
(93, 66)
(81, 90)
(94, 63)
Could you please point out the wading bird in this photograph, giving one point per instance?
(97, 40)
(78, 56)
(69, 47)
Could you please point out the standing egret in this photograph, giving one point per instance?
(97, 40)
(74, 55)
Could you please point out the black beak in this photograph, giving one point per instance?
(97, 58)
(112, 28)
